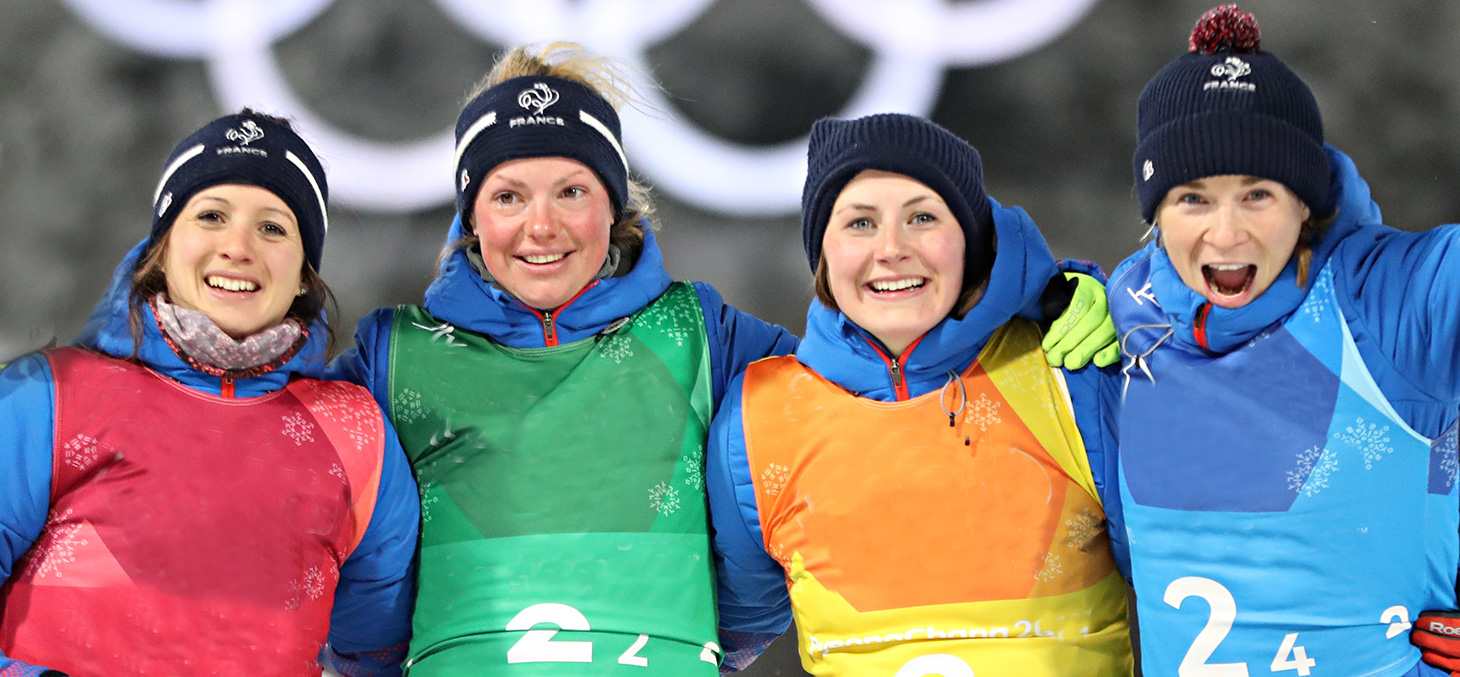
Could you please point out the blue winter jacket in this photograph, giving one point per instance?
(753, 598)
(373, 600)
(461, 297)
(1397, 291)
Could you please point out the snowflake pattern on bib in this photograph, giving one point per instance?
(1084, 529)
(311, 586)
(56, 548)
(694, 462)
(774, 478)
(617, 347)
(81, 451)
(1314, 467)
(983, 413)
(663, 499)
(298, 429)
(407, 407)
(345, 406)
(1052, 568)
(1445, 449)
(677, 319)
(1370, 439)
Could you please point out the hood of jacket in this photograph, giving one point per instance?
(844, 353)
(108, 330)
(460, 296)
(1228, 328)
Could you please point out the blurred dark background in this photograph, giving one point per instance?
(89, 112)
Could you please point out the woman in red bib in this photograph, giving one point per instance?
(916, 486)
(183, 495)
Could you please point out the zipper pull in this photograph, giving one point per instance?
(226, 389)
(550, 335)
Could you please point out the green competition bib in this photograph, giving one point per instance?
(564, 527)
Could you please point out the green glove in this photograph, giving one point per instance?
(1084, 332)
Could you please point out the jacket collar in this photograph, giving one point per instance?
(461, 297)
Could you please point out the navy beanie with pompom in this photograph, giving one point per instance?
(249, 149)
(902, 144)
(1226, 107)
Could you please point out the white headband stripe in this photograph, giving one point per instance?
(318, 194)
(603, 129)
(476, 128)
(172, 169)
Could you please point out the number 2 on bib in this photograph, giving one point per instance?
(537, 645)
(1222, 615)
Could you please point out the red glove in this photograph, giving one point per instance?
(1437, 634)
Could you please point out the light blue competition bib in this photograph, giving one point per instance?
(1282, 519)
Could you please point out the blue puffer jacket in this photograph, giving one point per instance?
(373, 600)
(462, 298)
(1397, 293)
(753, 599)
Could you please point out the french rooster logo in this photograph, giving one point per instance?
(539, 97)
(249, 133)
(1232, 68)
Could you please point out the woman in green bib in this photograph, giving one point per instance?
(554, 395)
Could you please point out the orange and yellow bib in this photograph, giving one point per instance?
(916, 548)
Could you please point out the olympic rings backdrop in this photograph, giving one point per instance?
(93, 93)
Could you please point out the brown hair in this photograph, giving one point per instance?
(1311, 230)
(606, 78)
(149, 280)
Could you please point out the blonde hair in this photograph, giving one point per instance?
(607, 78)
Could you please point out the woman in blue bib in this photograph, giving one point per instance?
(1287, 438)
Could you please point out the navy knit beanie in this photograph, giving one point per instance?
(901, 144)
(538, 116)
(249, 149)
(1228, 108)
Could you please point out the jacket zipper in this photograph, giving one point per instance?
(1199, 327)
(227, 389)
(549, 319)
(895, 368)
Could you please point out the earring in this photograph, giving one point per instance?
(303, 291)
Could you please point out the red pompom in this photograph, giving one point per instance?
(1225, 28)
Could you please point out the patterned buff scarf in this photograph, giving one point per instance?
(198, 340)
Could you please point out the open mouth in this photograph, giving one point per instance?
(1229, 279)
(892, 286)
(230, 284)
(542, 259)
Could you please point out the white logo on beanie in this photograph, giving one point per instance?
(1148, 170)
(465, 179)
(251, 132)
(539, 97)
(1231, 69)
(164, 203)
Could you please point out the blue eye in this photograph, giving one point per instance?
(859, 224)
(924, 217)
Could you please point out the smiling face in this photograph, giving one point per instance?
(1230, 236)
(234, 252)
(894, 257)
(544, 225)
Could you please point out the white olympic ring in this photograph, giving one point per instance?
(912, 42)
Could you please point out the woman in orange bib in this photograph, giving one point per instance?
(916, 486)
